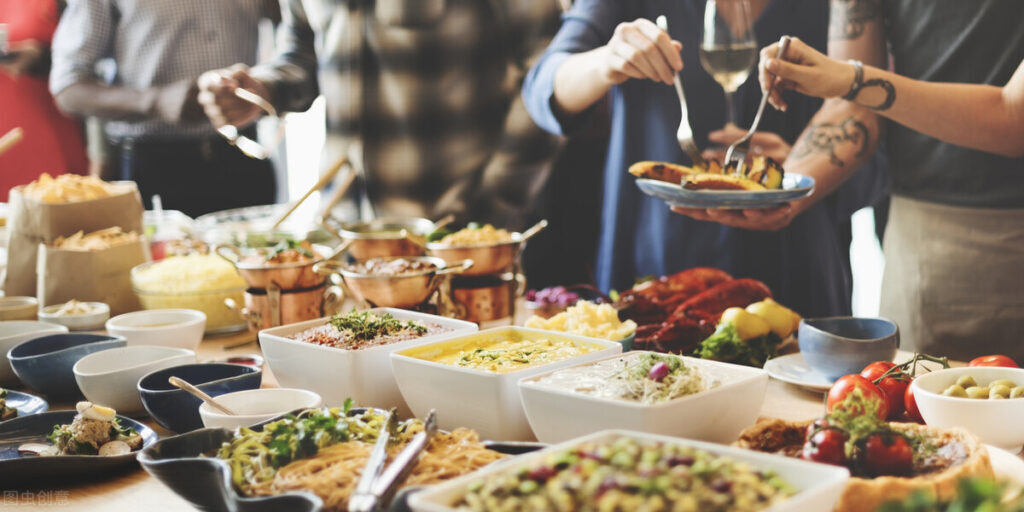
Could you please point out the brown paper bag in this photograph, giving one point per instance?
(31, 222)
(99, 276)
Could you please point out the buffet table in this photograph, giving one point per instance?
(136, 490)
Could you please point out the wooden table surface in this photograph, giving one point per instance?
(137, 490)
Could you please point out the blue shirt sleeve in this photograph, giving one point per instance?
(588, 25)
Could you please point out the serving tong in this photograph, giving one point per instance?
(685, 133)
(743, 145)
(244, 144)
(377, 485)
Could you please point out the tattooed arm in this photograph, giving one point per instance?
(840, 137)
(978, 116)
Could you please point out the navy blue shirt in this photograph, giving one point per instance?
(802, 264)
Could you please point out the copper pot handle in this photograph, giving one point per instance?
(536, 228)
(334, 296)
(232, 249)
(460, 268)
(327, 267)
(251, 318)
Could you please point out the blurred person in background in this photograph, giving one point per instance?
(50, 143)
(955, 238)
(159, 135)
(427, 90)
(609, 47)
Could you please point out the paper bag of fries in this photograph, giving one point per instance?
(49, 208)
(91, 267)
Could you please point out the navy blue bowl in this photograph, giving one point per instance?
(177, 410)
(44, 364)
(838, 346)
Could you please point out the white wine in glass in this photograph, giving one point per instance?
(728, 49)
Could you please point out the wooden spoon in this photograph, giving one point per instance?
(194, 391)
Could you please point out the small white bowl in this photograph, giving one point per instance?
(995, 422)
(485, 401)
(91, 321)
(111, 377)
(718, 414)
(179, 328)
(16, 332)
(257, 405)
(18, 308)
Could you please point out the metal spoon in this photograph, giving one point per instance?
(196, 392)
(536, 228)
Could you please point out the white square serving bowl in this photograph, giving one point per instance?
(487, 402)
(335, 374)
(817, 486)
(718, 414)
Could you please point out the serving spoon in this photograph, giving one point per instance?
(198, 393)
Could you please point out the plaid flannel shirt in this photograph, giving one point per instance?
(435, 105)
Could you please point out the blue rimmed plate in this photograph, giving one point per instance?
(794, 186)
(18, 468)
(26, 404)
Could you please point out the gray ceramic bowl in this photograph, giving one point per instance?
(841, 345)
(45, 364)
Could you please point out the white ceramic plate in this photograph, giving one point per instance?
(793, 369)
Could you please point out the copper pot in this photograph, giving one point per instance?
(386, 237)
(290, 276)
(401, 291)
(486, 298)
(273, 306)
(488, 258)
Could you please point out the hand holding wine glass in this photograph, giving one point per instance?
(728, 49)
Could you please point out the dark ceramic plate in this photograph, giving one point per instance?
(794, 186)
(206, 482)
(25, 403)
(32, 469)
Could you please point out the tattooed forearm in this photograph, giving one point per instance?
(848, 18)
(890, 93)
(825, 138)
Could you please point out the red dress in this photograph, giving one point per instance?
(50, 142)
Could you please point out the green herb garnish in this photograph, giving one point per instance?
(367, 326)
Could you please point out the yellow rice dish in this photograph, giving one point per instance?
(509, 355)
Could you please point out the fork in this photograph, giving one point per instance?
(744, 141)
(684, 134)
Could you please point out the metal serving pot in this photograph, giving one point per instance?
(289, 276)
(273, 306)
(386, 237)
(401, 291)
(488, 258)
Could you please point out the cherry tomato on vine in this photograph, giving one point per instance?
(994, 360)
(827, 446)
(876, 369)
(894, 385)
(910, 403)
(888, 454)
(847, 383)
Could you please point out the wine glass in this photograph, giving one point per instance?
(728, 49)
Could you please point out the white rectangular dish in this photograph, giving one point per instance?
(487, 402)
(336, 374)
(718, 414)
(817, 486)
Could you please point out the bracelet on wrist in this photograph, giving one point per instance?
(858, 80)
